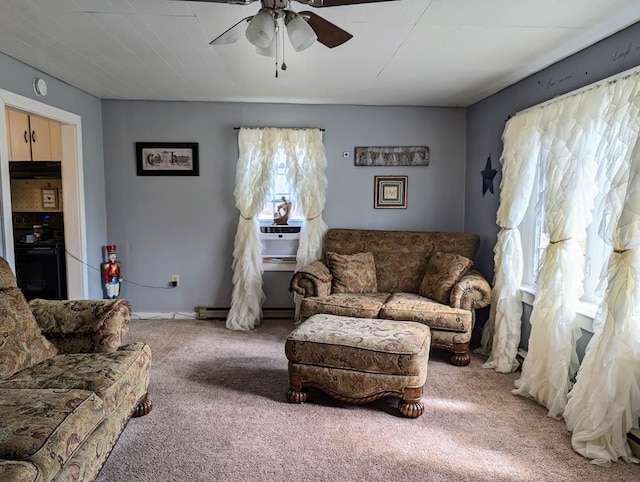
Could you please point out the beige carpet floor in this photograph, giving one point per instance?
(220, 415)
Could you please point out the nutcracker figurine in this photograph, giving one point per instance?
(111, 274)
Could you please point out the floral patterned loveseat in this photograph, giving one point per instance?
(399, 275)
(67, 386)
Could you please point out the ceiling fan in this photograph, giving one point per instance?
(303, 28)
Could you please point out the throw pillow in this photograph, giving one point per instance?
(444, 270)
(21, 342)
(352, 273)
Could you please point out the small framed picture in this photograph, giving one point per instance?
(390, 192)
(49, 198)
(167, 159)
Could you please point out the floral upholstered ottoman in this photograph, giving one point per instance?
(358, 360)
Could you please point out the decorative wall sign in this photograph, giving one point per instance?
(487, 177)
(390, 192)
(49, 198)
(391, 156)
(167, 158)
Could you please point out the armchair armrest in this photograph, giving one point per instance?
(19, 470)
(312, 280)
(83, 326)
(471, 292)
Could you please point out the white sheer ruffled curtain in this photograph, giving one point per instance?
(569, 142)
(259, 149)
(254, 174)
(501, 334)
(589, 149)
(605, 401)
(307, 172)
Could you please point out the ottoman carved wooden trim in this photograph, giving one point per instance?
(358, 360)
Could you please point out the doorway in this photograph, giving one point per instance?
(72, 190)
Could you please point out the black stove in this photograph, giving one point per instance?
(40, 254)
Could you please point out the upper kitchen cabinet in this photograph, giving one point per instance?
(33, 138)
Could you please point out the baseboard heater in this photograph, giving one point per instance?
(520, 356)
(633, 438)
(220, 313)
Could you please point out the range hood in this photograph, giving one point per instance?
(35, 169)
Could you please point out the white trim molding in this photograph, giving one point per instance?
(72, 189)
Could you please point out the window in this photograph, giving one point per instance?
(282, 187)
(535, 241)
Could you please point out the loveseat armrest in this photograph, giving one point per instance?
(472, 292)
(312, 280)
(83, 326)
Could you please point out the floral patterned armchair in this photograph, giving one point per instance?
(67, 384)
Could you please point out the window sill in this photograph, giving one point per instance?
(586, 311)
(291, 222)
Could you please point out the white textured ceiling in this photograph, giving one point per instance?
(405, 52)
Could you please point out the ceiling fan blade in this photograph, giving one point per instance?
(233, 34)
(328, 34)
(338, 3)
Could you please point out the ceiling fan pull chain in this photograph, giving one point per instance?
(277, 45)
(284, 65)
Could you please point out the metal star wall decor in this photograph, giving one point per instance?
(487, 177)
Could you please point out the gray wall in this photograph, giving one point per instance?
(17, 77)
(186, 225)
(486, 121)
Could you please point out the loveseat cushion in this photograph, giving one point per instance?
(21, 342)
(364, 305)
(46, 426)
(400, 256)
(444, 270)
(352, 273)
(110, 375)
(413, 307)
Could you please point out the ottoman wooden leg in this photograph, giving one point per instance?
(411, 405)
(295, 394)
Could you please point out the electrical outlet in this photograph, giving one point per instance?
(175, 280)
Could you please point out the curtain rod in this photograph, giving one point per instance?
(593, 85)
(292, 128)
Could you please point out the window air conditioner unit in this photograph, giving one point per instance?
(279, 247)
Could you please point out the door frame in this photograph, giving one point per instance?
(72, 190)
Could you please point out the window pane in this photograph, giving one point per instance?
(281, 188)
(595, 252)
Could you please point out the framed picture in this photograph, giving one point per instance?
(391, 156)
(390, 192)
(49, 198)
(167, 158)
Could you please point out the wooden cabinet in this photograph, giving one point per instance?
(55, 136)
(33, 138)
(19, 132)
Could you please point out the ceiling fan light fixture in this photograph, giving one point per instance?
(300, 32)
(262, 28)
(270, 51)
